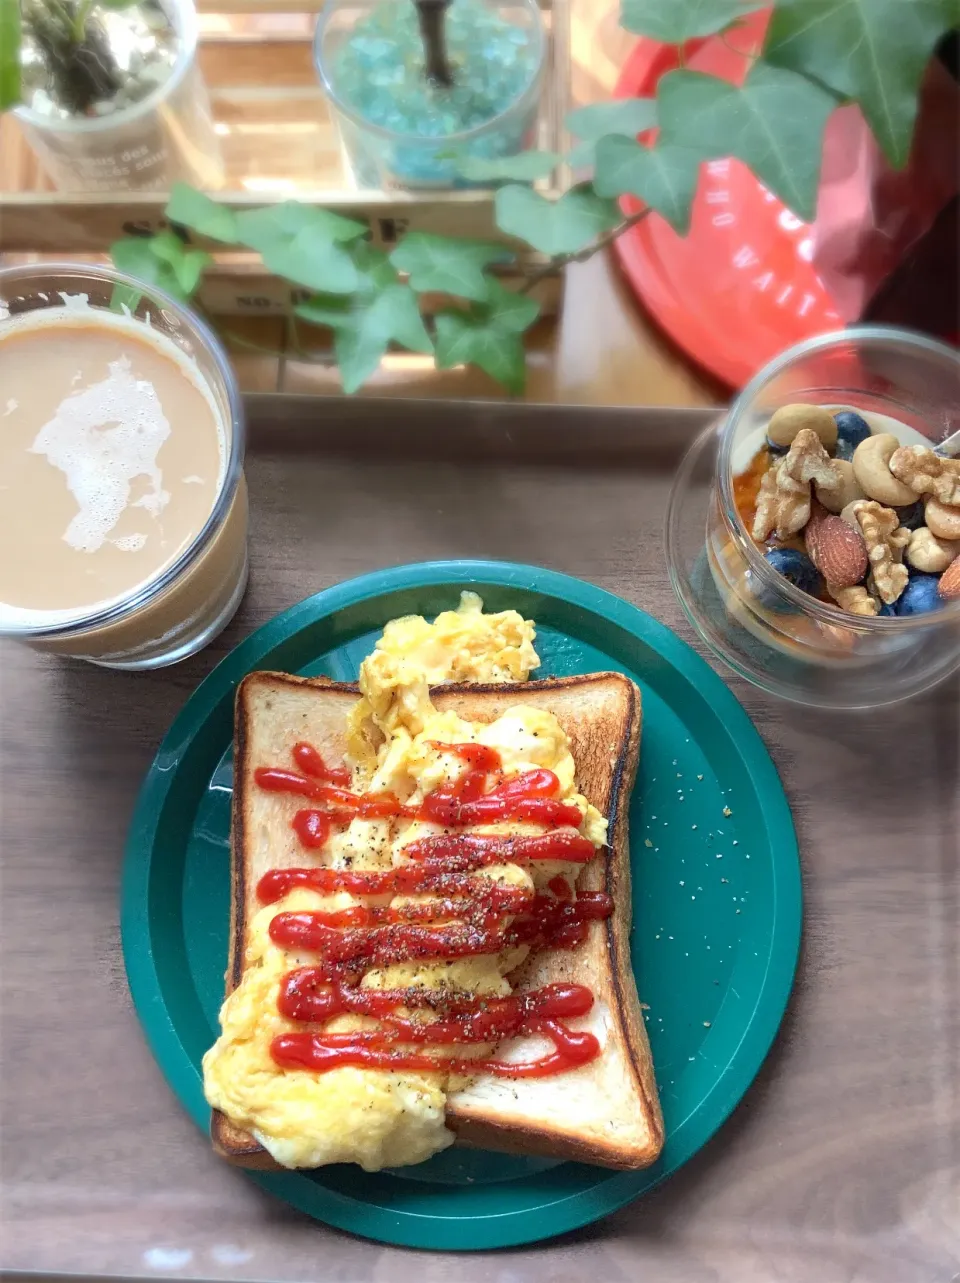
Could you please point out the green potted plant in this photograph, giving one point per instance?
(108, 91)
(817, 55)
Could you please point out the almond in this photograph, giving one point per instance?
(949, 585)
(835, 548)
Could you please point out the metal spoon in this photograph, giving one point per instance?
(949, 448)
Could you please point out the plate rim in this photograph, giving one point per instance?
(402, 1227)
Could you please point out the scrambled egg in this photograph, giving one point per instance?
(380, 1118)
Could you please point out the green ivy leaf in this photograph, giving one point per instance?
(874, 51)
(134, 255)
(263, 229)
(9, 53)
(674, 22)
(488, 335)
(194, 209)
(471, 338)
(362, 332)
(627, 116)
(375, 270)
(508, 309)
(774, 123)
(448, 265)
(186, 264)
(311, 258)
(623, 116)
(396, 312)
(664, 176)
(562, 226)
(332, 310)
(524, 166)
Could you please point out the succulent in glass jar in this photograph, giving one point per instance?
(65, 59)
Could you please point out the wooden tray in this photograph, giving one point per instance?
(602, 352)
(279, 142)
(842, 1162)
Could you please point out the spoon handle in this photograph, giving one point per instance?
(949, 447)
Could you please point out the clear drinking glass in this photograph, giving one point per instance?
(382, 157)
(770, 632)
(168, 135)
(185, 605)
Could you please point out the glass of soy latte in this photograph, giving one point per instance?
(123, 509)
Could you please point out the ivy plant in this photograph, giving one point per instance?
(817, 55)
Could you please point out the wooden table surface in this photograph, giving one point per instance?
(841, 1165)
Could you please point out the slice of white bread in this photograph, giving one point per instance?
(605, 1112)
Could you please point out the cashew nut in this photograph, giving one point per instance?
(926, 552)
(871, 467)
(786, 422)
(943, 519)
(847, 490)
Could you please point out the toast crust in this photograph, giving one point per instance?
(606, 752)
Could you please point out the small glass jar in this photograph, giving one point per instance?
(772, 633)
(393, 123)
(183, 606)
(167, 135)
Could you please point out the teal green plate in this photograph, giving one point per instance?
(716, 911)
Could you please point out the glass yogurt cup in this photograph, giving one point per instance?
(778, 636)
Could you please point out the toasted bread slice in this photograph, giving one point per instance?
(606, 1112)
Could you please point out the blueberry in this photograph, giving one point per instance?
(912, 516)
(843, 449)
(774, 448)
(886, 609)
(920, 595)
(794, 566)
(851, 430)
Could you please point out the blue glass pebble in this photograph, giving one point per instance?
(886, 609)
(851, 430)
(776, 449)
(913, 516)
(920, 595)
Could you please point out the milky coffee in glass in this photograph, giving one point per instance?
(122, 508)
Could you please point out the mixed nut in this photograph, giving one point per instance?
(851, 516)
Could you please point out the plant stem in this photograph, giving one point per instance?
(249, 345)
(299, 353)
(432, 15)
(581, 255)
(80, 19)
(58, 12)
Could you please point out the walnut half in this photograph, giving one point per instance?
(885, 539)
(783, 501)
(927, 473)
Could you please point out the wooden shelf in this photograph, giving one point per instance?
(593, 347)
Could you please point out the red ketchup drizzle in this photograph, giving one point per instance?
(461, 1019)
(543, 920)
(311, 763)
(468, 917)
